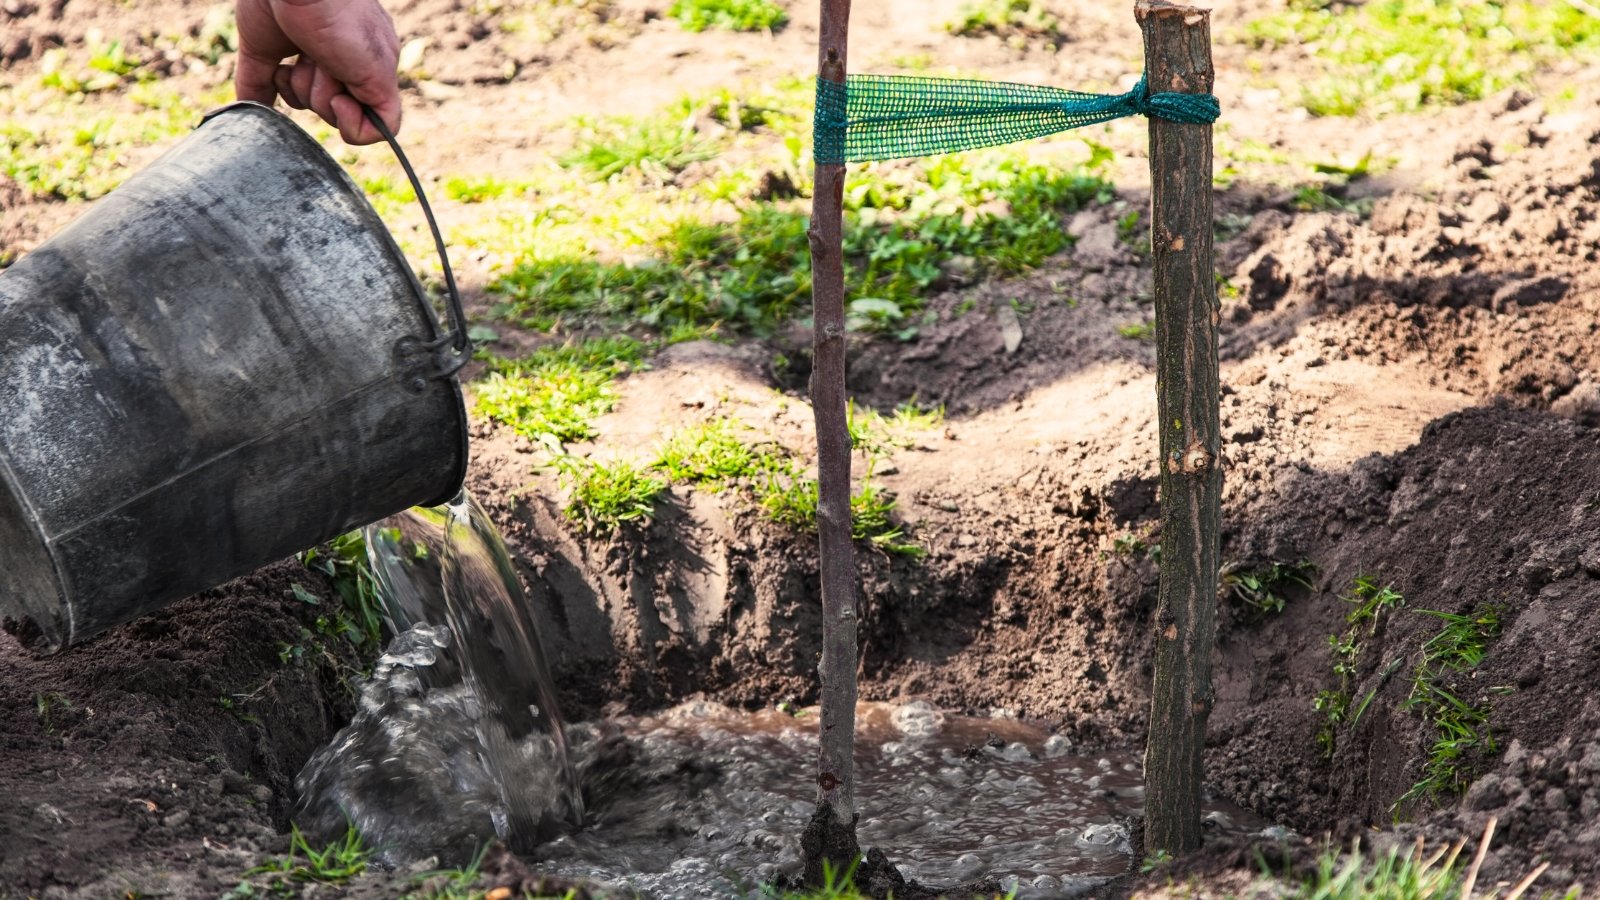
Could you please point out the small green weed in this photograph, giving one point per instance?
(1371, 601)
(1138, 331)
(1155, 861)
(712, 453)
(344, 561)
(732, 15)
(1317, 198)
(336, 863)
(1395, 875)
(48, 705)
(1461, 728)
(1395, 56)
(605, 495)
(107, 68)
(1261, 588)
(1129, 544)
(457, 884)
(464, 189)
(658, 147)
(1018, 21)
(870, 519)
(788, 497)
(556, 393)
(1130, 233)
(878, 436)
(236, 709)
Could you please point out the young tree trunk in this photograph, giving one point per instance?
(831, 836)
(1177, 43)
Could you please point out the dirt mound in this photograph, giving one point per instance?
(1494, 508)
(161, 757)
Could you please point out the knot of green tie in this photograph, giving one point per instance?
(877, 117)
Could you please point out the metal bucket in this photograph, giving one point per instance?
(223, 362)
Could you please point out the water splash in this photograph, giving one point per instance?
(458, 741)
(459, 736)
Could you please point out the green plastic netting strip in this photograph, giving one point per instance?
(878, 117)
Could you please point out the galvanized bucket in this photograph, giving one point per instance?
(223, 362)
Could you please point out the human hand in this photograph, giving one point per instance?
(348, 53)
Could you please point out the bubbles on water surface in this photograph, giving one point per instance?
(458, 741)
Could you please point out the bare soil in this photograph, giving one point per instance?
(1411, 395)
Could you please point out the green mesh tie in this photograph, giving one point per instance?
(874, 117)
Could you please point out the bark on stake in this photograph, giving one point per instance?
(831, 835)
(1177, 49)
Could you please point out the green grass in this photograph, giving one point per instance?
(46, 705)
(1461, 728)
(731, 15)
(713, 454)
(479, 189)
(1017, 20)
(877, 435)
(658, 147)
(335, 864)
(106, 66)
(1370, 601)
(1391, 875)
(625, 235)
(344, 561)
(1138, 331)
(1397, 56)
(1318, 198)
(754, 272)
(554, 395)
(607, 495)
(789, 497)
(54, 149)
(1261, 589)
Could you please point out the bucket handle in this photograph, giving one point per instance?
(454, 349)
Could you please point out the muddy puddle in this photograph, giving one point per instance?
(705, 801)
(714, 800)
(458, 742)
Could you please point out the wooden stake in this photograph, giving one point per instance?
(831, 836)
(1177, 47)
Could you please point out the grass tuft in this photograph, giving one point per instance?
(1393, 875)
(1262, 588)
(1461, 728)
(334, 864)
(1371, 601)
(606, 495)
(658, 147)
(555, 394)
(1018, 21)
(1397, 56)
(730, 15)
(344, 561)
(712, 454)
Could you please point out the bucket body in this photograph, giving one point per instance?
(211, 369)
